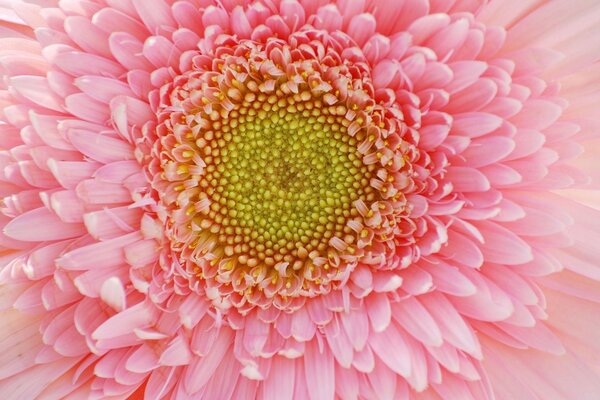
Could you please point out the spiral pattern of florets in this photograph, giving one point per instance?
(279, 172)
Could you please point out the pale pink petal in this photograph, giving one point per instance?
(319, 371)
(113, 293)
(40, 225)
(280, 383)
(391, 348)
(411, 314)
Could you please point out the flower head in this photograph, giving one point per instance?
(299, 199)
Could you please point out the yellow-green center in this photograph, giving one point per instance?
(281, 183)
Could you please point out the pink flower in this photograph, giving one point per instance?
(307, 199)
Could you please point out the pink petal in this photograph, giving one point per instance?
(36, 89)
(86, 108)
(488, 150)
(448, 279)
(537, 115)
(99, 255)
(463, 250)
(449, 38)
(200, 370)
(87, 35)
(383, 381)
(391, 348)
(127, 49)
(466, 179)
(142, 360)
(113, 293)
(413, 317)
(40, 225)
(157, 18)
(364, 360)
(339, 344)
(379, 311)
(140, 315)
(503, 246)
(101, 88)
(102, 148)
(475, 124)
(453, 327)
(319, 371)
(279, 384)
(176, 353)
(346, 383)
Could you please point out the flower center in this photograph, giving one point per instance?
(282, 180)
(278, 173)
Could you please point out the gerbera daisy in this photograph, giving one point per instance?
(299, 199)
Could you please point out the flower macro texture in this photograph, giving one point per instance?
(300, 199)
